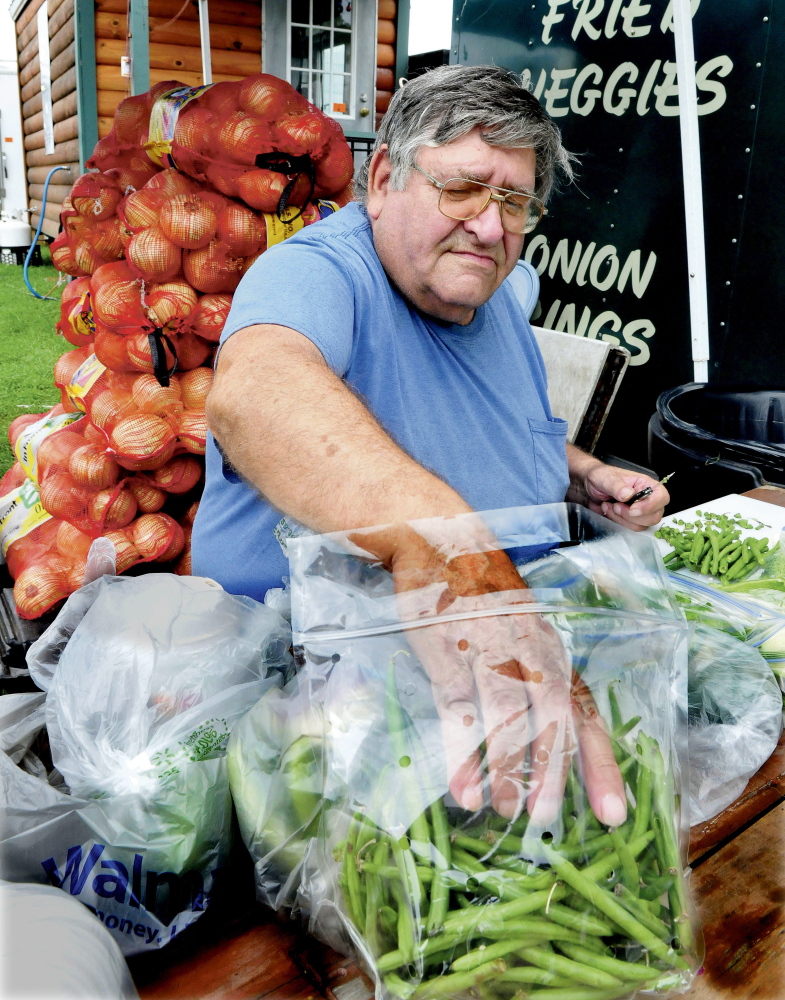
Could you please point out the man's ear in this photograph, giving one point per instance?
(379, 172)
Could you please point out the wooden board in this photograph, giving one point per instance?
(740, 897)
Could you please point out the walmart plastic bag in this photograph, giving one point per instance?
(735, 719)
(52, 949)
(342, 779)
(141, 700)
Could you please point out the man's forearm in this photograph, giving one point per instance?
(579, 463)
(294, 430)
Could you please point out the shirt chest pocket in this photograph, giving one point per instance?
(549, 445)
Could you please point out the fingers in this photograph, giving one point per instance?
(452, 684)
(601, 775)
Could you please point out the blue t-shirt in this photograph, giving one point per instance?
(467, 402)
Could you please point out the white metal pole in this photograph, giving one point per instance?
(204, 34)
(693, 188)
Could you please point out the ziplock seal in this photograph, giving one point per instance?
(506, 610)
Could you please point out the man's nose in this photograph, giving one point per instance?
(487, 226)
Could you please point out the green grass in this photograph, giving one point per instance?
(29, 346)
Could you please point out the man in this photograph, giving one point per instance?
(374, 371)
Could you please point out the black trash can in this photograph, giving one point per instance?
(717, 441)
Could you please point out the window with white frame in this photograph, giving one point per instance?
(320, 54)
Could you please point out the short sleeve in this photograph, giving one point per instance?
(304, 287)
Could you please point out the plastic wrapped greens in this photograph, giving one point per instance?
(345, 779)
(145, 679)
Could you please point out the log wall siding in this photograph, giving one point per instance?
(175, 52)
(64, 108)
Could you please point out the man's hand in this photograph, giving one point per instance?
(604, 488)
(505, 679)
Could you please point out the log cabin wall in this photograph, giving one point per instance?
(64, 107)
(175, 53)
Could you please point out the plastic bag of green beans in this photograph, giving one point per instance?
(497, 861)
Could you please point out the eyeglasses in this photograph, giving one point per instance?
(462, 199)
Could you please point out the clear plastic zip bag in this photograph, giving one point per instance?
(451, 863)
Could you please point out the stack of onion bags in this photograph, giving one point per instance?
(157, 237)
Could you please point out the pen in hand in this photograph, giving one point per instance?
(642, 494)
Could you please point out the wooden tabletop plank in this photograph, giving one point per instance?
(740, 895)
(765, 788)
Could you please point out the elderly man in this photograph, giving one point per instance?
(375, 370)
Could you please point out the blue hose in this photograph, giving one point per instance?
(29, 256)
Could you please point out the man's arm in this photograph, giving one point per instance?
(597, 485)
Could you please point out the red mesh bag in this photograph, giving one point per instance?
(213, 268)
(76, 322)
(193, 387)
(179, 475)
(65, 367)
(92, 232)
(19, 423)
(192, 431)
(13, 478)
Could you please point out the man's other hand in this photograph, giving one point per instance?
(604, 488)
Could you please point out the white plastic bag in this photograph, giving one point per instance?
(141, 700)
(51, 948)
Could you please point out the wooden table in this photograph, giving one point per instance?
(737, 883)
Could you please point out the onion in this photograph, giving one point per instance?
(142, 441)
(88, 260)
(152, 256)
(169, 183)
(148, 498)
(126, 553)
(40, 586)
(111, 349)
(194, 387)
(188, 221)
(107, 240)
(75, 575)
(71, 542)
(170, 302)
(241, 230)
(213, 268)
(95, 196)
(261, 189)
(68, 363)
(61, 497)
(140, 209)
(183, 565)
(92, 467)
(242, 137)
(192, 351)
(190, 515)
(140, 355)
(192, 431)
(211, 313)
(63, 258)
(112, 509)
(152, 397)
(179, 475)
(158, 537)
(110, 406)
(269, 96)
(193, 128)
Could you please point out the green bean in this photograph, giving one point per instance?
(584, 923)
(577, 971)
(656, 886)
(351, 876)
(604, 866)
(641, 912)
(624, 970)
(446, 986)
(536, 927)
(486, 953)
(407, 944)
(531, 974)
(398, 987)
(585, 993)
(506, 887)
(629, 869)
(440, 893)
(466, 921)
(610, 906)
(374, 900)
(616, 716)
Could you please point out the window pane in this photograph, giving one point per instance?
(317, 96)
(322, 12)
(299, 46)
(300, 11)
(343, 13)
(322, 53)
(342, 52)
(300, 83)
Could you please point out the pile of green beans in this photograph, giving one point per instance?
(713, 546)
(454, 907)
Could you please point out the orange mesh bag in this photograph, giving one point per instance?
(90, 227)
(117, 299)
(65, 366)
(76, 322)
(210, 315)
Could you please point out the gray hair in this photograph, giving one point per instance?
(447, 103)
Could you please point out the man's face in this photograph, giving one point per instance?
(444, 267)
